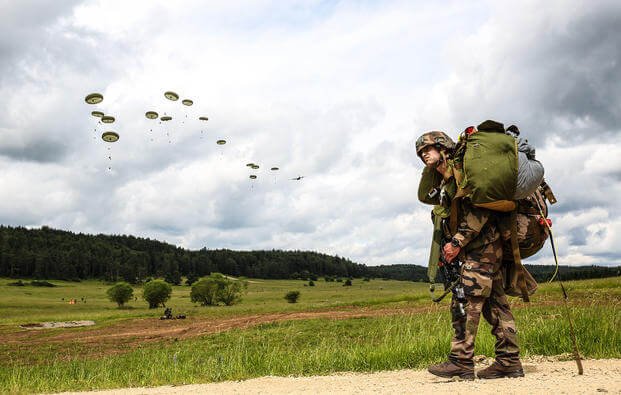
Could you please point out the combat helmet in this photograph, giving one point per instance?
(435, 138)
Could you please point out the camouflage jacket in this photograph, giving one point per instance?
(476, 226)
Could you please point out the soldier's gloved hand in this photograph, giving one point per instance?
(450, 251)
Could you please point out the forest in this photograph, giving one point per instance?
(46, 253)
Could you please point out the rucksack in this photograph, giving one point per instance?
(494, 168)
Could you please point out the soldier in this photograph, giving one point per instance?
(475, 238)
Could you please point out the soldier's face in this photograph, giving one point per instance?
(430, 155)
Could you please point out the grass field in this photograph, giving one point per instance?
(302, 347)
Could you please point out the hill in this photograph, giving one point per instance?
(48, 253)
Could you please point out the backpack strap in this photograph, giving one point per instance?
(517, 261)
(454, 215)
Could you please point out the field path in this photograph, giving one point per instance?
(545, 377)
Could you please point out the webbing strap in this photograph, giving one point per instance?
(517, 261)
(453, 216)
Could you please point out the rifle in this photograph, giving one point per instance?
(452, 282)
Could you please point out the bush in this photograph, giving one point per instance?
(366, 279)
(311, 283)
(121, 293)
(347, 283)
(17, 283)
(231, 292)
(217, 288)
(192, 278)
(292, 296)
(156, 292)
(339, 280)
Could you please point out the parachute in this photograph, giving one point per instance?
(166, 118)
(97, 114)
(253, 177)
(151, 115)
(221, 142)
(107, 119)
(274, 168)
(250, 164)
(255, 167)
(187, 102)
(203, 118)
(171, 96)
(94, 98)
(110, 137)
(487, 168)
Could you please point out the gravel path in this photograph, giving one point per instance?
(600, 376)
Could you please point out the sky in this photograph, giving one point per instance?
(335, 91)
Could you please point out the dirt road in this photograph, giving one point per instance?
(542, 377)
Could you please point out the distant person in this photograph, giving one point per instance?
(473, 236)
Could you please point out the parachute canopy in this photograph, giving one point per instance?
(221, 142)
(110, 137)
(250, 164)
(171, 96)
(94, 98)
(187, 102)
(203, 118)
(97, 114)
(166, 118)
(274, 168)
(107, 119)
(151, 115)
(255, 166)
(252, 176)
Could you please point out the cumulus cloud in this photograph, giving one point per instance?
(334, 91)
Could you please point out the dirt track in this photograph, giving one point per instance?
(600, 376)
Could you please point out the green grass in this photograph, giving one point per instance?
(36, 304)
(317, 346)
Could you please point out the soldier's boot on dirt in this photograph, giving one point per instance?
(453, 368)
(499, 370)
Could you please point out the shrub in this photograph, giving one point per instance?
(121, 293)
(339, 280)
(311, 283)
(156, 292)
(17, 283)
(366, 279)
(292, 296)
(192, 278)
(231, 292)
(216, 288)
(347, 283)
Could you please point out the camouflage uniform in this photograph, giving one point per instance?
(481, 252)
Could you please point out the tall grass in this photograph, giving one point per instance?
(317, 346)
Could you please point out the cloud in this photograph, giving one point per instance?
(334, 91)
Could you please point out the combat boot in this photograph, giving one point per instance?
(452, 368)
(498, 370)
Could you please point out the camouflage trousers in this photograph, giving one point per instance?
(483, 286)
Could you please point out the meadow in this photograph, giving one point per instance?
(412, 333)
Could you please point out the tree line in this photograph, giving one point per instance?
(48, 253)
